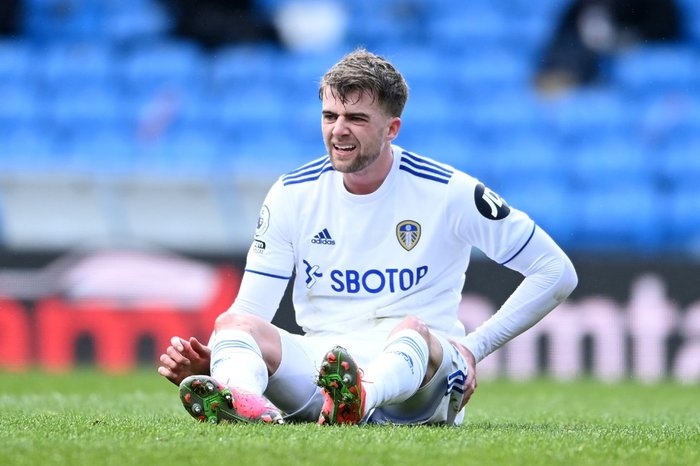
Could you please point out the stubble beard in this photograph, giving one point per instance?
(357, 164)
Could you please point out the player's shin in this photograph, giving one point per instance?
(398, 371)
(236, 361)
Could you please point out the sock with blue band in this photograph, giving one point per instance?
(398, 371)
(236, 360)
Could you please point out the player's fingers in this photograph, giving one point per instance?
(468, 392)
(173, 377)
(177, 356)
(466, 399)
(167, 361)
(469, 389)
(167, 373)
(177, 343)
(199, 348)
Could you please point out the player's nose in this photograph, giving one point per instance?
(340, 127)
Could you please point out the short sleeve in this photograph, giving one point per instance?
(484, 219)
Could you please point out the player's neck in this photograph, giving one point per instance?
(371, 178)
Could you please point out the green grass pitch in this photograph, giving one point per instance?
(89, 418)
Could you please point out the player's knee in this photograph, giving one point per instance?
(231, 321)
(414, 323)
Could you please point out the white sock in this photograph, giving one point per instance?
(236, 360)
(397, 373)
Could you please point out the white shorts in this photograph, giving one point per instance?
(293, 387)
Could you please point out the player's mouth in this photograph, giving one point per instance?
(344, 148)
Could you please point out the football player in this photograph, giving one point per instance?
(379, 239)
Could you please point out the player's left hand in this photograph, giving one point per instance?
(470, 384)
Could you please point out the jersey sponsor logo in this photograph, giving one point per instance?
(408, 234)
(490, 204)
(323, 237)
(258, 246)
(263, 220)
(312, 274)
(376, 281)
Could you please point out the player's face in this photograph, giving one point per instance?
(356, 133)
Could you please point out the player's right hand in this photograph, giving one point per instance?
(470, 384)
(184, 358)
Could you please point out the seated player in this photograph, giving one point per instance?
(379, 239)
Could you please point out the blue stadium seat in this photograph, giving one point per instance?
(109, 151)
(491, 70)
(77, 65)
(691, 16)
(86, 109)
(526, 159)
(670, 117)
(61, 20)
(249, 109)
(302, 72)
(130, 101)
(422, 67)
(624, 218)
(512, 113)
(17, 61)
(130, 22)
(28, 150)
(445, 143)
(268, 6)
(693, 28)
(547, 9)
(681, 220)
(587, 113)
(173, 110)
(429, 106)
(650, 69)
(268, 153)
(608, 163)
(20, 105)
(166, 64)
(467, 24)
(387, 26)
(550, 203)
(528, 36)
(679, 163)
(183, 153)
(232, 66)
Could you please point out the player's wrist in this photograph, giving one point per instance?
(469, 346)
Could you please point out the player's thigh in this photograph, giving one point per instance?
(437, 402)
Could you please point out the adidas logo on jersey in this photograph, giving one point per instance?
(323, 237)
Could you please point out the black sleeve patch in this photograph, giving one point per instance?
(490, 204)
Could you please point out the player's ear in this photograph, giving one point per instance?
(394, 127)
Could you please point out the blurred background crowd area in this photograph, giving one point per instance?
(165, 121)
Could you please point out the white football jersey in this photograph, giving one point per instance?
(367, 261)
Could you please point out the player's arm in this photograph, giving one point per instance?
(268, 270)
(549, 279)
(270, 259)
(258, 294)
